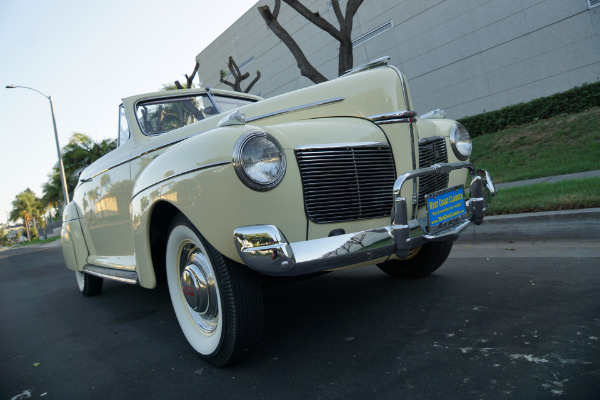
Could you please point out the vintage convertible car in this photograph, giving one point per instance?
(211, 190)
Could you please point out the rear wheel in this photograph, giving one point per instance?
(427, 259)
(89, 285)
(218, 302)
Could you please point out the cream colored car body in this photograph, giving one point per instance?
(124, 201)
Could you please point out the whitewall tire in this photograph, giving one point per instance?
(89, 285)
(218, 303)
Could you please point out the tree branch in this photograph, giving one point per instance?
(190, 79)
(315, 18)
(352, 8)
(306, 68)
(232, 85)
(337, 11)
(253, 82)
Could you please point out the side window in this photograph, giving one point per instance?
(123, 127)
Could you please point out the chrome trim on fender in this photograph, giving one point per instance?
(130, 159)
(264, 248)
(393, 117)
(189, 171)
(297, 108)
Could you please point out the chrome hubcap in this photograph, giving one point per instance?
(198, 288)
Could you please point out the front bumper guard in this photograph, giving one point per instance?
(265, 249)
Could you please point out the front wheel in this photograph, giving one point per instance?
(218, 302)
(423, 262)
(89, 285)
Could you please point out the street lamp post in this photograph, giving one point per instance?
(60, 162)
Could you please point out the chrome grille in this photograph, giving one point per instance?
(432, 151)
(347, 182)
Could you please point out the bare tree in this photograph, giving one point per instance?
(238, 77)
(343, 34)
(189, 79)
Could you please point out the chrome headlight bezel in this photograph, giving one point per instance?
(460, 141)
(241, 167)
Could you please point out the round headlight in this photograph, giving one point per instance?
(259, 160)
(460, 142)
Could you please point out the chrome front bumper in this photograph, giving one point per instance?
(265, 249)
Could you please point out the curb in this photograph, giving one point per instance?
(549, 179)
(548, 225)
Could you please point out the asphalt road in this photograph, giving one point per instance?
(497, 321)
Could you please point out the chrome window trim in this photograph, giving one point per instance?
(297, 108)
(122, 114)
(212, 100)
(165, 98)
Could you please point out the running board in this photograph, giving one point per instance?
(119, 275)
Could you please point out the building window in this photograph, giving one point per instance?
(375, 32)
(240, 66)
(593, 3)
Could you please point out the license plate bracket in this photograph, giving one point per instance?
(445, 208)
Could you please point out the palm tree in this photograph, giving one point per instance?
(80, 152)
(26, 207)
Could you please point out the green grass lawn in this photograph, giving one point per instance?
(39, 241)
(565, 195)
(556, 146)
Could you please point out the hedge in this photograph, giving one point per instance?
(572, 101)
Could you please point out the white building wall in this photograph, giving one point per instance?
(466, 56)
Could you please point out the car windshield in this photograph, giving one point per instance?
(229, 103)
(163, 115)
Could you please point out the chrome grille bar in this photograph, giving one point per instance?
(347, 182)
(432, 151)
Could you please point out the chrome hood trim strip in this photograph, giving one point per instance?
(297, 108)
(336, 145)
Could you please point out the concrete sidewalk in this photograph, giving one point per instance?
(549, 179)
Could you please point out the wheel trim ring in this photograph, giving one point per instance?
(204, 343)
(192, 258)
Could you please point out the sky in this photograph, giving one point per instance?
(88, 55)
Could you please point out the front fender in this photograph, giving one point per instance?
(196, 177)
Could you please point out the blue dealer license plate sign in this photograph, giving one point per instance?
(444, 208)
